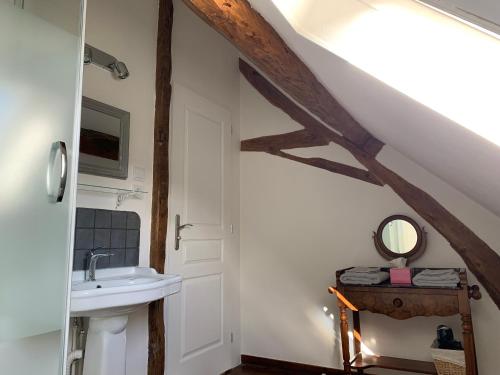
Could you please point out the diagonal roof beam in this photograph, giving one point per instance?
(296, 139)
(483, 261)
(281, 101)
(259, 42)
(332, 166)
(255, 38)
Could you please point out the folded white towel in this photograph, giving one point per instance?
(368, 278)
(440, 278)
(362, 270)
(446, 271)
(441, 284)
(438, 274)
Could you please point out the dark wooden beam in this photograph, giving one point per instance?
(296, 113)
(482, 261)
(331, 166)
(159, 213)
(297, 139)
(260, 43)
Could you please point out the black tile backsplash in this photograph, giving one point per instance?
(119, 219)
(86, 218)
(133, 220)
(119, 238)
(132, 239)
(84, 239)
(102, 219)
(109, 232)
(118, 258)
(102, 238)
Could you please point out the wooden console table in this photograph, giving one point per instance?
(403, 302)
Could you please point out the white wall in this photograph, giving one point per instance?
(300, 224)
(127, 30)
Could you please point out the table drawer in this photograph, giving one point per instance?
(404, 306)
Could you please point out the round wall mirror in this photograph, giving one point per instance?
(399, 236)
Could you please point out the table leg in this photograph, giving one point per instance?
(357, 332)
(469, 347)
(344, 329)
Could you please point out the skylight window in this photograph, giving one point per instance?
(434, 59)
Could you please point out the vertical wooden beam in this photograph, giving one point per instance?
(159, 212)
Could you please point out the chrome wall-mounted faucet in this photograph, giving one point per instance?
(104, 60)
(93, 259)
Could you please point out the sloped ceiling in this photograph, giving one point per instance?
(447, 149)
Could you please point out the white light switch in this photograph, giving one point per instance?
(139, 173)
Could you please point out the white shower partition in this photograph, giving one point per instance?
(40, 91)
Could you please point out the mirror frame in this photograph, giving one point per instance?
(114, 169)
(414, 253)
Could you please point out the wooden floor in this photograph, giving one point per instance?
(258, 370)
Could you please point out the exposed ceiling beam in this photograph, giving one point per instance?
(483, 261)
(332, 166)
(296, 139)
(283, 102)
(260, 43)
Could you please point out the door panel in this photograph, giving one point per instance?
(202, 250)
(203, 169)
(201, 327)
(198, 333)
(40, 73)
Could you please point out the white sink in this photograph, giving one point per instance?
(107, 302)
(121, 291)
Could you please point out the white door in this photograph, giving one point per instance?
(198, 329)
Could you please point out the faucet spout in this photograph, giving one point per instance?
(94, 258)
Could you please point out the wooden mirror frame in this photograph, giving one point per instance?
(414, 253)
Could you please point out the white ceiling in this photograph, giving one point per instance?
(462, 158)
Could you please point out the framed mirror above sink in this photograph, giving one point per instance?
(399, 236)
(104, 140)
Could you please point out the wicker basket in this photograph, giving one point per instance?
(448, 368)
(449, 362)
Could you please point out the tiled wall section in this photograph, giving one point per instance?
(110, 232)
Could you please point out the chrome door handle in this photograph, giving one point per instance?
(64, 171)
(58, 147)
(178, 228)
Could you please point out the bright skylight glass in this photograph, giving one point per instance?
(442, 63)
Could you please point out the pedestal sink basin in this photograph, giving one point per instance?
(107, 302)
(120, 291)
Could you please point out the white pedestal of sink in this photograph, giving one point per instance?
(105, 352)
(107, 302)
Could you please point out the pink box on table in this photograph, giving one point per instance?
(400, 276)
